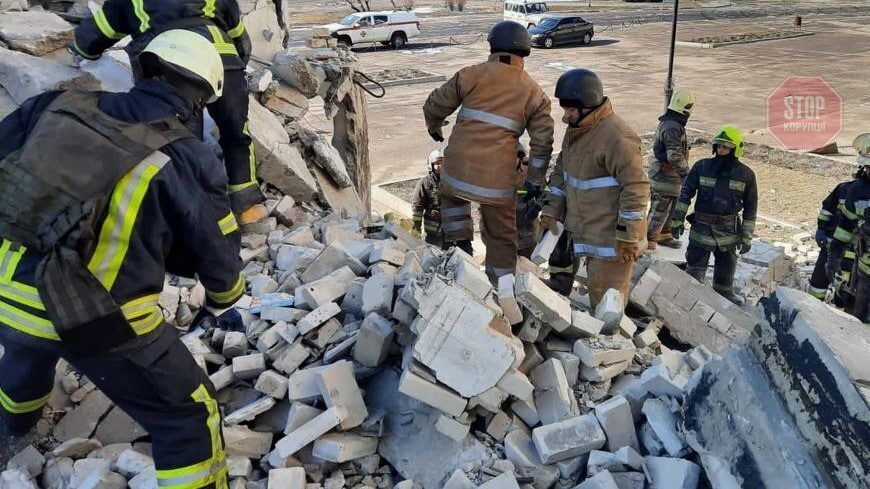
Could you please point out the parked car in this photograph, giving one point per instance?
(527, 13)
(561, 30)
(387, 28)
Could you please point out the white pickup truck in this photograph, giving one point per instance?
(387, 28)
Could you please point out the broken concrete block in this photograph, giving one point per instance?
(76, 448)
(610, 310)
(434, 395)
(585, 325)
(131, 463)
(543, 302)
(35, 32)
(298, 415)
(25, 76)
(451, 428)
(235, 344)
(520, 450)
(664, 423)
(516, 384)
(287, 101)
(250, 411)
(310, 431)
(490, 399)
(616, 419)
(553, 394)
(458, 480)
(291, 357)
(603, 373)
(504, 481)
(272, 384)
(248, 367)
(526, 410)
(81, 421)
(668, 375)
(507, 301)
(298, 72)
(118, 427)
(571, 364)
(339, 388)
(671, 473)
(377, 295)
(343, 447)
(267, 38)
(646, 338)
(287, 478)
(604, 350)
(29, 461)
(374, 340)
(330, 259)
(242, 441)
(302, 385)
(317, 317)
(499, 425)
(239, 466)
(629, 480)
(328, 288)
(531, 358)
(602, 480)
(546, 245)
(469, 276)
(568, 438)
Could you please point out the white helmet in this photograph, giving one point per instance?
(434, 155)
(193, 54)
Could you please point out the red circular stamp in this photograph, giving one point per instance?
(804, 113)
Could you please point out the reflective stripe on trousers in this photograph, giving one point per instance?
(476, 190)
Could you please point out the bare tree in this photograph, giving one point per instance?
(359, 5)
(405, 5)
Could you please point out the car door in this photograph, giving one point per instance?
(364, 29)
(563, 31)
(381, 29)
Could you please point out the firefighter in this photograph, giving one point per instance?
(527, 209)
(861, 307)
(668, 167)
(83, 257)
(499, 102)
(848, 217)
(827, 224)
(427, 203)
(220, 22)
(598, 189)
(725, 188)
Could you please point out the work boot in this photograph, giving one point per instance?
(670, 242)
(561, 283)
(731, 296)
(255, 213)
(651, 244)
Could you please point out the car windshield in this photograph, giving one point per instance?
(536, 8)
(548, 23)
(349, 20)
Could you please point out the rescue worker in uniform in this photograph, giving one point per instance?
(499, 101)
(598, 189)
(168, 212)
(725, 188)
(827, 224)
(527, 209)
(668, 167)
(848, 218)
(861, 307)
(220, 22)
(427, 203)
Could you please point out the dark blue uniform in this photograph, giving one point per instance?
(842, 254)
(174, 208)
(827, 224)
(220, 22)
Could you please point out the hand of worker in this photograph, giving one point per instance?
(229, 320)
(744, 247)
(628, 252)
(532, 191)
(677, 230)
(549, 223)
(821, 238)
(531, 211)
(436, 135)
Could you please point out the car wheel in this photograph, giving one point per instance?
(548, 42)
(398, 40)
(587, 38)
(345, 41)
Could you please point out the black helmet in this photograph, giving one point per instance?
(510, 37)
(580, 88)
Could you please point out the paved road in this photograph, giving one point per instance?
(466, 27)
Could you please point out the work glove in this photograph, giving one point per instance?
(549, 223)
(436, 135)
(532, 191)
(532, 210)
(229, 320)
(628, 252)
(677, 229)
(821, 238)
(743, 247)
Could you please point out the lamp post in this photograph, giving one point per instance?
(669, 84)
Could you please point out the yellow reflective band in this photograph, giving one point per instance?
(106, 28)
(218, 41)
(737, 185)
(708, 182)
(81, 52)
(228, 224)
(849, 255)
(114, 238)
(554, 269)
(239, 187)
(230, 295)
(849, 214)
(22, 294)
(237, 30)
(208, 9)
(27, 323)
(842, 235)
(824, 217)
(417, 218)
(142, 15)
(143, 314)
(147, 324)
(252, 166)
(211, 471)
(14, 407)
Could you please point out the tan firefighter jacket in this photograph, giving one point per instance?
(497, 102)
(599, 188)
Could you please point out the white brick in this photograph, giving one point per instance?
(601, 480)
(469, 276)
(374, 340)
(543, 302)
(249, 366)
(434, 395)
(571, 364)
(239, 466)
(671, 473)
(339, 388)
(546, 245)
(516, 384)
(552, 392)
(527, 411)
(343, 447)
(604, 350)
(646, 338)
(585, 325)
(458, 480)
(317, 317)
(309, 432)
(245, 442)
(499, 425)
(387, 251)
(504, 481)
(290, 478)
(291, 357)
(272, 384)
(664, 424)
(602, 372)
(330, 259)
(377, 294)
(235, 344)
(222, 378)
(299, 414)
(451, 428)
(302, 384)
(615, 418)
(250, 411)
(627, 327)
(519, 449)
(568, 438)
(610, 310)
(328, 288)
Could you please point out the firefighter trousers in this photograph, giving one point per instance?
(860, 307)
(819, 279)
(725, 265)
(601, 274)
(158, 384)
(498, 231)
(661, 207)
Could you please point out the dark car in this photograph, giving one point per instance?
(561, 30)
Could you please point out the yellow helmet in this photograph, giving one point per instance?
(730, 136)
(862, 146)
(193, 53)
(682, 101)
